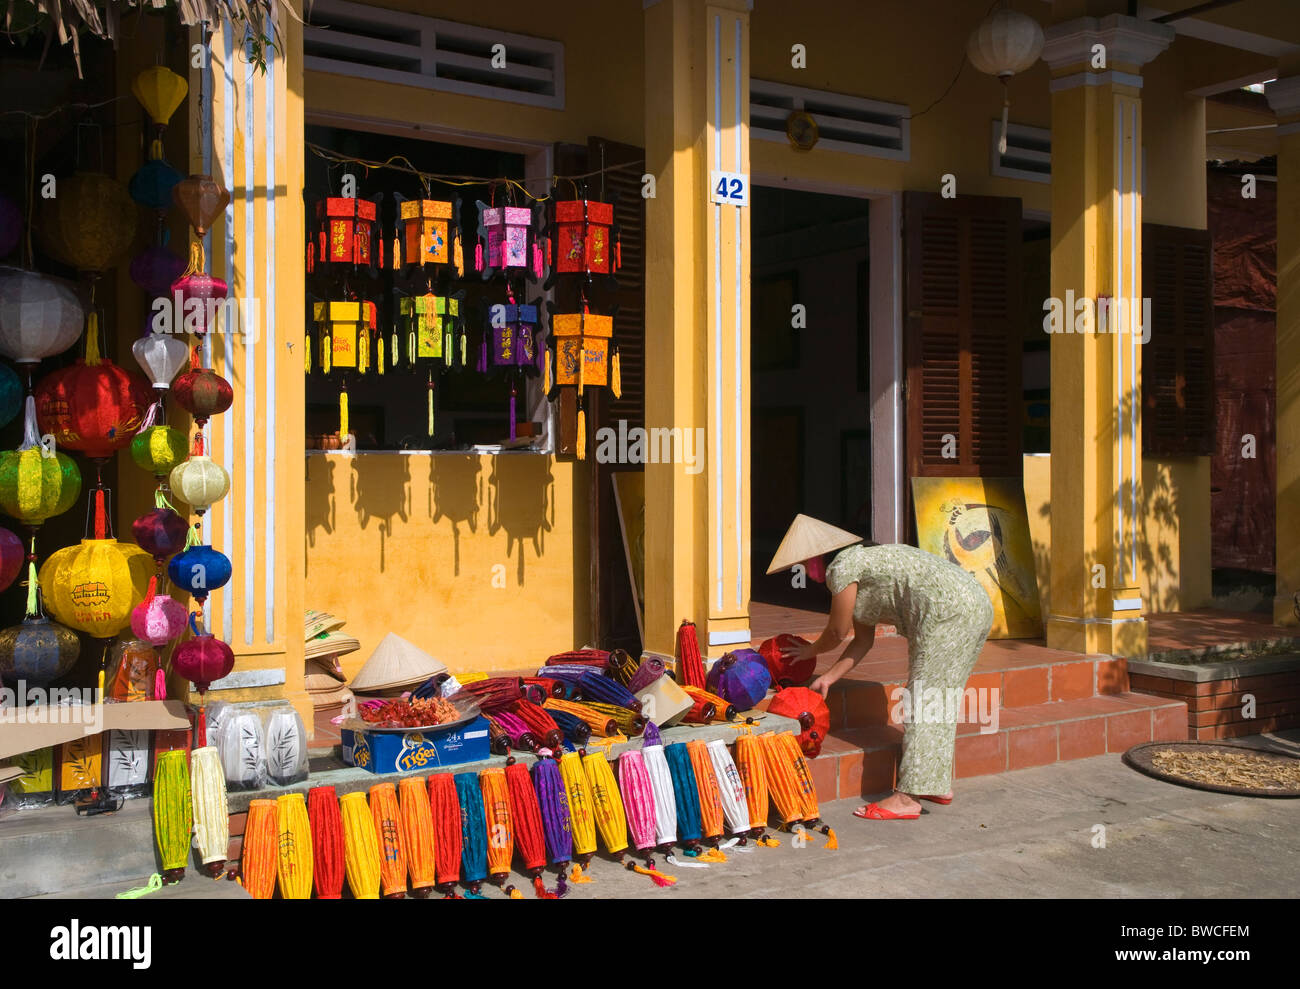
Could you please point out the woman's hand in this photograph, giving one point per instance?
(822, 685)
(802, 651)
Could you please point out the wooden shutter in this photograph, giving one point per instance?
(1178, 360)
(963, 337)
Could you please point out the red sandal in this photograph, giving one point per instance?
(938, 800)
(874, 812)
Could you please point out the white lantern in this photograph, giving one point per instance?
(40, 316)
(160, 356)
(243, 749)
(1004, 43)
(286, 746)
(127, 755)
(199, 482)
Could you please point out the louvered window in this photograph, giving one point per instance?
(1178, 360)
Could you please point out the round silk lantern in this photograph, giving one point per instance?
(740, 677)
(160, 532)
(37, 651)
(199, 570)
(158, 449)
(809, 709)
(11, 225)
(13, 554)
(201, 287)
(40, 316)
(203, 659)
(199, 482)
(11, 395)
(94, 586)
(94, 406)
(33, 485)
(160, 91)
(161, 357)
(158, 619)
(151, 185)
(785, 672)
(154, 269)
(89, 223)
(203, 393)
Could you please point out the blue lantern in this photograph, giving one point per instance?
(152, 184)
(200, 570)
(37, 651)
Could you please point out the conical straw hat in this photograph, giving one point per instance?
(321, 621)
(808, 537)
(395, 663)
(331, 644)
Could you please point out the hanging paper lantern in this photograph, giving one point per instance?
(151, 185)
(89, 224)
(40, 315)
(741, 677)
(201, 288)
(13, 554)
(809, 709)
(199, 570)
(347, 234)
(199, 482)
(11, 395)
(202, 393)
(427, 233)
(11, 225)
(160, 356)
(160, 532)
(37, 651)
(159, 619)
(429, 324)
(94, 585)
(508, 238)
(160, 91)
(33, 485)
(94, 406)
(154, 269)
(159, 450)
(1004, 43)
(512, 329)
(202, 199)
(582, 349)
(203, 659)
(582, 239)
(326, 842)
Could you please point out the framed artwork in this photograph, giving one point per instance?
(774, 342)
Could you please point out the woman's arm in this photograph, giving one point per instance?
(864, 638)
(838, 626)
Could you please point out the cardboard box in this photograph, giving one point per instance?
(27, 730)
(407, 752)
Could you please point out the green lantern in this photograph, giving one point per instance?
(35, 483)
(158, 449)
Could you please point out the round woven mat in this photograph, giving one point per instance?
(1236, 769)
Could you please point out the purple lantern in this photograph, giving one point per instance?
(154, 269)
(12, 557)
(741, 677)
(160, 532)
(514, 344)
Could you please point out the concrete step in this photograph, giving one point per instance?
(863, 761)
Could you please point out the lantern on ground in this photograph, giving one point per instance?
(1004, 43)
(809, 709)
(741, 677)
(40, 316)
(90, 223)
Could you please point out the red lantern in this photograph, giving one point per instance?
(785, 672)
(202, 393)
(201, 660)
(347, 233)
(810, 710)
(583, 240)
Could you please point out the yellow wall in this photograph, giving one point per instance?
(479, 559)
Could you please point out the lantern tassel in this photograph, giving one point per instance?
(156, 149)
(379, 354)
(430, 403)
(363, 352)
(155, 408)
(31, 587)
(515, 894)
(512, 411)
(832, 842)
(582, 433)
(159, 685)
(343, 414)
(458, 256)
(546, 376)
(616, 376)
(92, 339)
(659, 878)
(198, 261)
(542, 892)
(101, 518)
(306, 352)
(576, 877)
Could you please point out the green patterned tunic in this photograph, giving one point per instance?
(945, 616)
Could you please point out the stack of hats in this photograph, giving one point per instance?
(395, 666)
(323, 676)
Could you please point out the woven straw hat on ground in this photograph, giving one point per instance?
(321, 621)
(808, 537)
(331, 644)
(395, 663)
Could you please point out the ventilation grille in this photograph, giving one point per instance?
(1029, 152)
(844, 123)
(394, 46)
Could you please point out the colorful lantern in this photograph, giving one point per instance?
(473, 832)
(496, 813)
(583, 240)
(554, 804)
(808, 708)
(203, 659)
(202, 199)
(159, 450)
(639, 804)
(388, 829)
(741, 677)
(526, 818)
(243, 749)
(173, 813)
(13, 554)
(706, 782)
(89, 224)
(93, 586)
(194, 295)
(786, 673)
(151, 185)
(37, 651)
(690, 667)
(417, 834)
(40, 315)
(347, 233)
(160, 91)
(430, 323)
(326, 842)
(160, 532)
(782, 781)
(512, 329)
(159, 619)
(444, 806)
(294, 860)
(360, 846)
(259, 854)
(154, 269)
(200, 482)
(686, 793)
(661, 784)
(582, 349)
(35, 486)
(582, 818)
(345, 344)
(202, 393)
(507, 238)
(607, 803)
(199, 570)
(427, 233)
(211, 812)
(161, 356)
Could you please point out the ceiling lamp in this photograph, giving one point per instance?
(1004, 43)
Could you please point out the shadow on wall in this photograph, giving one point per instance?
(320, 505)
(521, 492)
(454, 495)
(380, 491)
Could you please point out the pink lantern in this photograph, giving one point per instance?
(197, 286)
(159, 619)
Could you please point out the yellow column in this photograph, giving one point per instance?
(1284, 97)
(697, 320)
(246, 131)
(1096, 459)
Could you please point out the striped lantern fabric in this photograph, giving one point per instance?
(473, 831)
(173, 810)
(495, 692)
(685, 792)
(576, 731)
(540, 724)
(595, 686)
(661, 782)
(690, 666)
(702, 712)
(582, 818)
(257, 864)
(388, 829)
(360, 846)
(496, 814)
(600, 724)
(606, 802)
(650, 670)
(621, 666)
(444, 805)
(731, 788)
(326, 842)
(294, 862)
(638, 799)
(417, 834)
(595, 658)
(550, 686)
(628, 721)
(723, 708)
(749, 762)
(711, 820)
(789, 744)
(554, 804)
(211, 812)
(782, 783)
(526, 817)
(498, 737)
(520, 736)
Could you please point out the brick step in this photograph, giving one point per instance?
(860, 761)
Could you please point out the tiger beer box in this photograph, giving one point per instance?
(383, 752)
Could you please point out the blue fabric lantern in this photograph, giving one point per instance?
(473, 831)
(741, 677)
(685, 792)
(151, 185)
(200, 570)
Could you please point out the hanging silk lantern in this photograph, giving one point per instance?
(326, 842)
(607, 803)
(706, 782)
(202, 393)
(345, 344)
(741, 677)
(11, 225)
(94, 585)
(160, 91)
(201, 199)
(429, 327)
(1004, 43)
(199, 570)
(35, 486)
(473, 832)
(195, 295)
(388, 829)
(89, 224)
(161, 357)
(160, 532)
(200, 482)
(809, 709)
(347, 235)
(416, 820)
(582, 349)
(686, 794)
(661, 785)
(360, 846)
(202, 660)
(211, 813)
(496, 822)
(11, 395)
(13, 554)
(151, 185)
(37, 651)
(554, 804)
(512, 329)
(94, 406)
(173, 813)
(158, 620)
(154, 269)
(40, 315)
(427, 233)
(259, 855)
(583, 239)
(508, 238)
(731, 788)
(294, 859)
(159, 450)
(444, 806)
(582, 817)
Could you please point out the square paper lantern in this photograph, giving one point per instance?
(508, 239)
(425, 233)
(80, 765)
(514, 344)
(37, 780)
(582, 348)
(430, 321)
(126, 760)
(346, 233)
(345, 333)
(582, 240)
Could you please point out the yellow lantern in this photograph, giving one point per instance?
(160, 91)
(89, 223)
(94, 585)
(199, 482)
